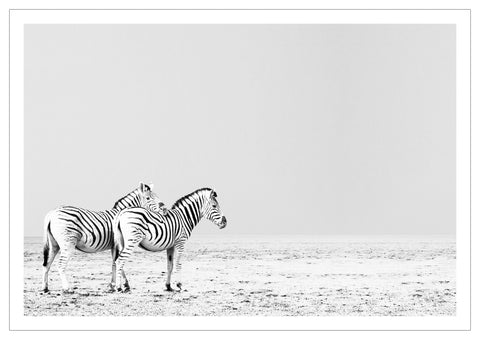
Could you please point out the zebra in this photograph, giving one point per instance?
(67, 228)
(155, 232)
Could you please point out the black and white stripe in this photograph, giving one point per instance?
(68, 228)
(156, 232)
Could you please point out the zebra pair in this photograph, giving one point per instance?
(138, 219)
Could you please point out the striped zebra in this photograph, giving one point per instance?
(155, 232)
(67, 228)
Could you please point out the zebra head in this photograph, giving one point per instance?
(212, 211)
(149, 200)
(143, 196)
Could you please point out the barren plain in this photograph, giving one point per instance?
(259, 275)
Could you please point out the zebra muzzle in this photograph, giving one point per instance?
(223, 223)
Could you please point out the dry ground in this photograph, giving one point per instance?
(258, 275)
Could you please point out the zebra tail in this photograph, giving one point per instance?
(46, 243)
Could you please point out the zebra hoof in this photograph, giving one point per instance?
(45, 290)
(179, 285)
(169, 288)
(111, 289)
(126, 289)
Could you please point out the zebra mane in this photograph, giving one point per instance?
(130, 194)
(180, 200)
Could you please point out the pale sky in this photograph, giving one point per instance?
(305, 129)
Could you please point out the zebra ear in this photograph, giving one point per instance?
(213, 194)
(143, 187)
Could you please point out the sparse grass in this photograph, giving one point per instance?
(225, 276)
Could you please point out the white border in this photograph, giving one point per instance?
(462, 21)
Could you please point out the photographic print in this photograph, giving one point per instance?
(218, 168)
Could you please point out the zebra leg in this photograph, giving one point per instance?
(126, 285)
(111, 285)
(66, 251)
(178, 264)
(130, 244)
(48, 260)
(121, 277)
(170, 253)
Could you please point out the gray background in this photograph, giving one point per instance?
(322, 129)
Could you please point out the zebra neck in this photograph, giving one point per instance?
(190, 218)
(127, 201)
